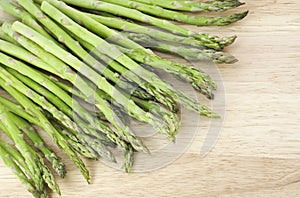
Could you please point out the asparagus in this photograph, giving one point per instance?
(183, 51)
(88, 139)
(115, 54)
(41, 53)
(18, 110)
(37, 98)
(163, 113)
(47, 83)
(24, 16)
(68, 74)
(139, 16)
(32, 109)
(100, 81)
(194, 76)
(71, 137)
(191, 6)
(29, 156)
(127, 26)
(180, 17)
(46, 174)
(10, 162)
(6, 37)
(152, 90)
(128, 159)
(104, 31)
(55, 161)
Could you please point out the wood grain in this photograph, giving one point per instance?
(258, 152)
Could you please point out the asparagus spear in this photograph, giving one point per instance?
(24, 16)
(29, 156)
(191, 6)
(66, 73)
(180, 17)
(127, 26)
(201, 81)
(93, 141)
(37, 98)
(198, 78)
(32, 109)
(46, 174)
(131, 108)
(54, 160)
(128, 159)
(115, 54)
(183, 51)
(71, 136)
(139, 16)
(6, 37)
(41, 53)
(152, 90)
(10, 162)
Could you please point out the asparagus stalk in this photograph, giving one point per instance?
(78, 65)
(54, 160)
(152, 90)
(183, 51)
(21, 14)
(10, 162)
(180, 17)
(30, 157)
(24, 16)
(128, 159)
(56, 62)
(127, 26)
(88, 139)
(201, 81)
(139, 16)
(66, 73)
(194, 76)
(46, 174)
(6, 37)
(37, 98)
(32, 109)
(115, 54)
(72, 137)
(47, 83)
(191, 6)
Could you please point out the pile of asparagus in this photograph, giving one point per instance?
(76, 70)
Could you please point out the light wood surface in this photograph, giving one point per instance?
(258, 150)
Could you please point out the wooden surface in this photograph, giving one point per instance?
(258, 151)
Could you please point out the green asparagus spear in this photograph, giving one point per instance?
(100, 81)
(127, 26)
(41, 53)
(180, 50)
(32, 109)
(54, 160)
(180, 17)
(191, 6)
(24, 16)
(46, 174)
(139, 16)
(10, 162)
(198, 78)
(66, 73)
(113, 53)
(30, 157)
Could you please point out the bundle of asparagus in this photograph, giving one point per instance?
(61, 58)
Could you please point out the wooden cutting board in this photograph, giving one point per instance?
(258, 150)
